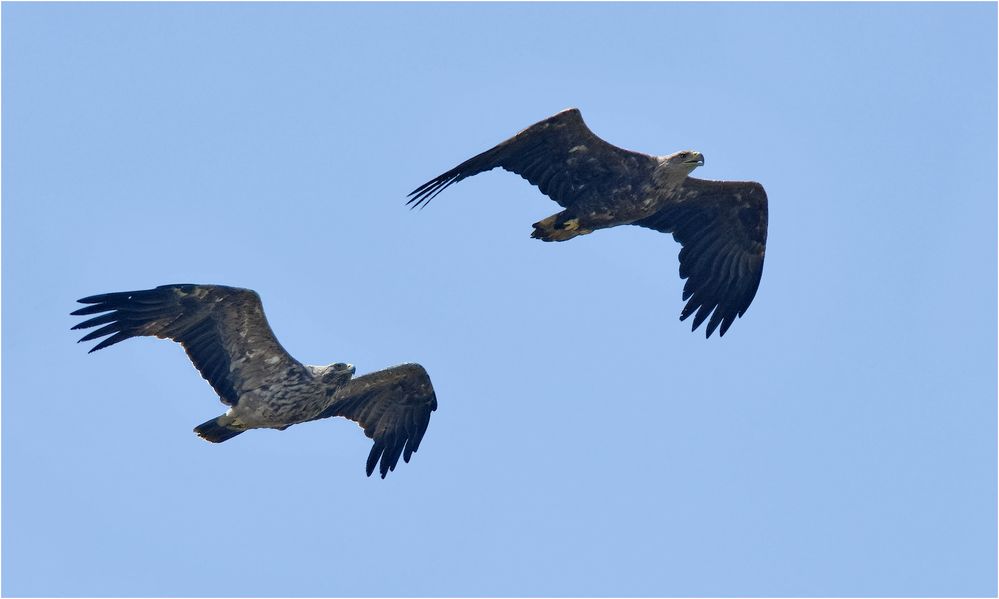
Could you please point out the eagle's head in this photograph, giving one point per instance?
(687, 160)
(338, 374)
(673, 169)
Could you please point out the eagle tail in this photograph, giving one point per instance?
(558, 227)
(215, 431)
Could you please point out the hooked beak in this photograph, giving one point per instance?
(696, 159)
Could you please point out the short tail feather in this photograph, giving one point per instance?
(215, 431)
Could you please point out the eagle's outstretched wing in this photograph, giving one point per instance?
(393, 407)
(560, 155)
(723, 228)
(223, 329)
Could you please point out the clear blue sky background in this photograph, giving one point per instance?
(839, 440)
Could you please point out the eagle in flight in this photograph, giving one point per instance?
(721, 225)
(226, 335)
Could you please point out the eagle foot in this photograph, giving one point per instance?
(550, 229)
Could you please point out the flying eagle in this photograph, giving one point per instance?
(226, 335)
(722, 225)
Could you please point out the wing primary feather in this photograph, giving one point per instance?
(408, 453)
(93, 309)
(422, 195)
(418, 438)
(692, 305)
(392, 456)
(121, 336)
(439, 190)
(702, 313)
(93, 322)
(114, 327)
(419, 189)
(725, 325)
(373, 455)
(716, 318)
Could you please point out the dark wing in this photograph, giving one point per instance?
(223, 329)
(723, 228)
(560, 155)
(393, 407)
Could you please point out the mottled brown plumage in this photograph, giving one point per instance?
(722, 225)
(227, 337)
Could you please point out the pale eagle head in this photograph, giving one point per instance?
(337, 374)
(687, 160)
(673, 169)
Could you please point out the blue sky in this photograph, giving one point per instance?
(839, 440)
